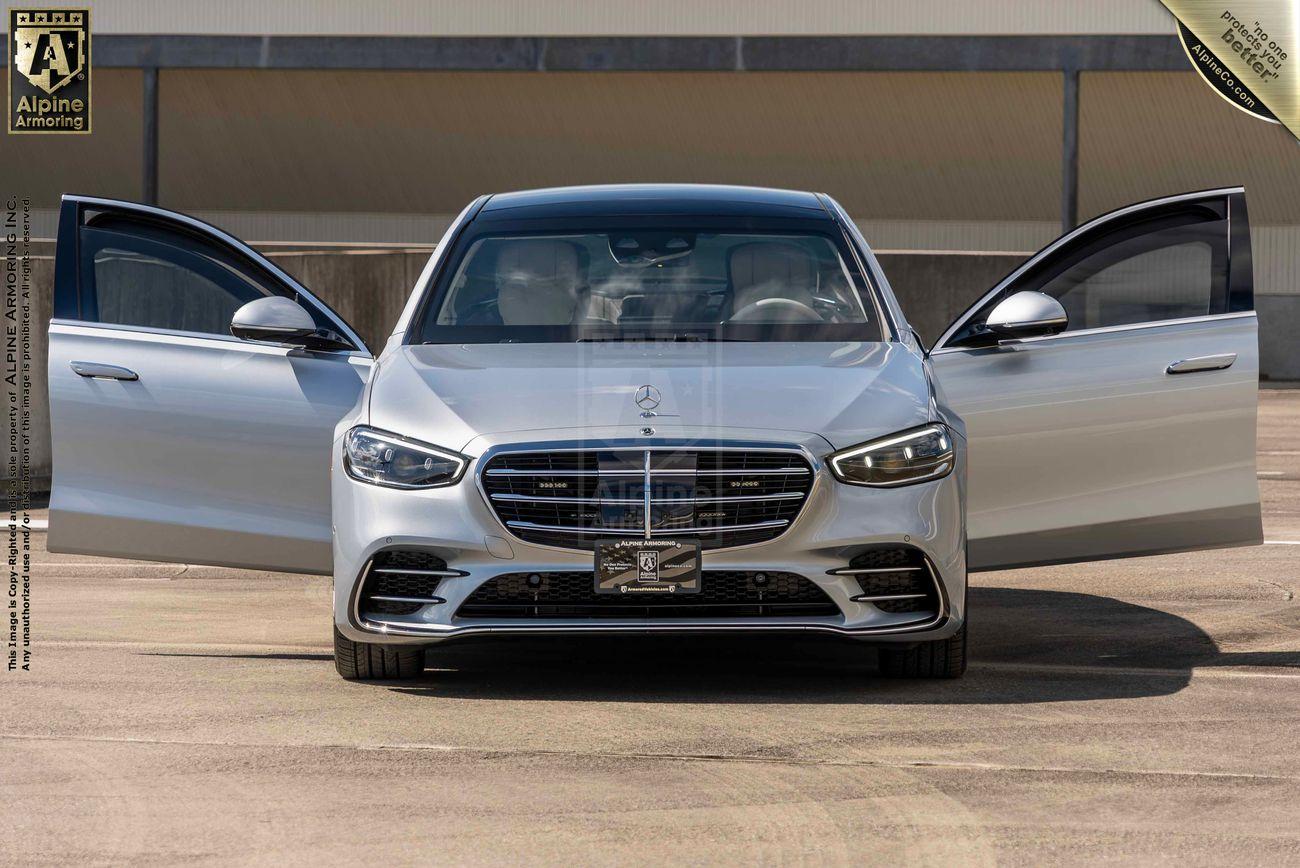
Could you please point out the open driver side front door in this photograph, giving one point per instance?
(172, 439)
(1132, 431)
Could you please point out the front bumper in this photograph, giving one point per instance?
(837, 522)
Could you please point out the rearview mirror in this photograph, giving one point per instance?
(274, 318)
(1026, 315)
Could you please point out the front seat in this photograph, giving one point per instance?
(772, 281)
(538, 282)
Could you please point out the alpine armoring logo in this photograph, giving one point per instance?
(49, 71)
(1219, 77)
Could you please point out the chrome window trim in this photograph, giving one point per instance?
(1152, 324)
(940, 345)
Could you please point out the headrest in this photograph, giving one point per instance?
(778, 263)
(537, 282)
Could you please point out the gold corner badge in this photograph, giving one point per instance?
(49, 71)
(1244, 50)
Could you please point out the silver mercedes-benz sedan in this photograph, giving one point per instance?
(653, 409)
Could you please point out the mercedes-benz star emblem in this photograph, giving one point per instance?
(647, 397)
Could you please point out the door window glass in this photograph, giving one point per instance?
(1145, 269)
(1163, 275)
(142, 290)
(147, 282)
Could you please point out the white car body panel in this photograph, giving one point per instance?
(1089, 444)
(846, 392)
(214, 455)
(1090, 449)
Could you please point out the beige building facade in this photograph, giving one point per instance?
(946, 128)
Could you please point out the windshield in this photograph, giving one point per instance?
(650, 284)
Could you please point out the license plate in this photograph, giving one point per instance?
(647, 566)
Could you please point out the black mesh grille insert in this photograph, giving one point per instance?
(907, 574)
(386, 578)
(719, 497)
(723, 594)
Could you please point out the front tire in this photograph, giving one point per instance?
(941, 658)
(366, 661)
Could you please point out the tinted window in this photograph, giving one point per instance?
(142, 272)
(666, 281)
(151, 283)
(1146, 270)
(1161, 275)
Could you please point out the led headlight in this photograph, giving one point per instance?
(397, 462)
(900, 459)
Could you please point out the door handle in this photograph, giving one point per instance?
(100, 371)
(1202, 363)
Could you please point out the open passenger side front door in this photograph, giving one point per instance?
(1132, 431)
(174, 440)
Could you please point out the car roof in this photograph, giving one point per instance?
(653, 199)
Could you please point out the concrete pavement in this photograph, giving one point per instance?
(1135, 710)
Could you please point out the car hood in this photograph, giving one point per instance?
(845, 392)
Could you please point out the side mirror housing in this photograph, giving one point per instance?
(1026, 314)
(274, 318)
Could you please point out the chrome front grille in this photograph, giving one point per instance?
(721, 497)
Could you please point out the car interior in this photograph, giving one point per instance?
(651, 278)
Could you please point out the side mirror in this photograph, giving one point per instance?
(1026, 315)
(274, 318)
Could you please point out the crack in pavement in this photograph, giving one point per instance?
(491, 753)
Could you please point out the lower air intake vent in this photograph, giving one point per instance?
(401, 582)
(896, 580)
(723, 594)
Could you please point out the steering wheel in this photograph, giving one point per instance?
(776, 310)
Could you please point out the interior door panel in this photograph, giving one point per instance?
(1121, 439)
